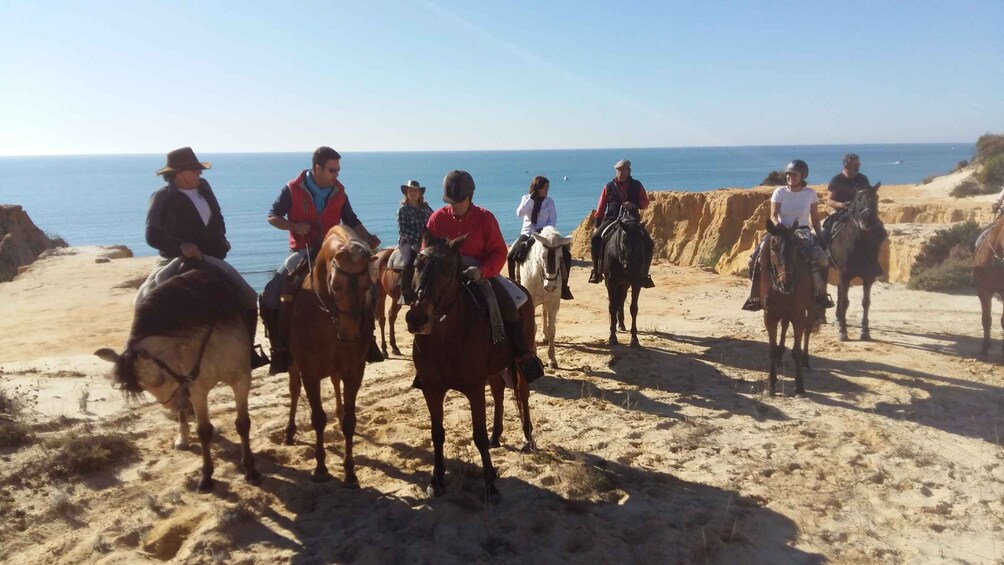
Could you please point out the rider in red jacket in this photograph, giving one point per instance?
(485, 251)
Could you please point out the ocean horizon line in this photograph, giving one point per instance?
(552, 149)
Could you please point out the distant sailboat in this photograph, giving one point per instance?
(565, 177)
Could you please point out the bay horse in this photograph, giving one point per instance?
(988, 272)
(331, 325)
(854, 250)
(388, 286)
(541, 274)
(453, 350)
(623, 258)
(787, 297)
(187, 335)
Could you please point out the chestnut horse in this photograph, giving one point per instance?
(787, 298)
(189, 334)
(331, 326)
(453, 350)
(988, 272)
(388, 286)
(854, 251)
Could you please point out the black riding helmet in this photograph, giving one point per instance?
(457, 187)
(798, 166)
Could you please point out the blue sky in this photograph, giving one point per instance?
(145, 77)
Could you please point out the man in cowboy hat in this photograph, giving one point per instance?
(185, 222)
(626, 192)
(411, 219)
(307, 207)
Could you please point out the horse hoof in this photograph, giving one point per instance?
(206, 485)
(799, 393)
(321, 476)
(182, 444)
(494, 443)
(529, 447)
(621, 328)
(395, 351)
(493, 496)
(865, 336)
(612, 340)
(843, 336)
(289, 439)
(553, 365)
(253, 477)
(351, 483)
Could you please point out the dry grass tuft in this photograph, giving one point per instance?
(80, 454)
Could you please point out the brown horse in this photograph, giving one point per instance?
(787, 298)
(189, 334)
(388, 286)
(330, 331)
(988, 272)
(453, 350)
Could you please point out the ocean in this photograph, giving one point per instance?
(102, 199)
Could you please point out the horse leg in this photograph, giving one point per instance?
(800, 327)
(339, 410)
(635, 290)
(294, 398)
(810, 322)
(434, 401)
(394, 309)
(497, 385)
(521, 393)
(477, 399)
(620, 313)
(348, 418)
(318, 419)
(381, 318)
(550, 320)
(986, 303)
(771, 324)
(243, 424)
(181, 442)
(842, 302)
(866, 301)
(205, 431)
(613, 307)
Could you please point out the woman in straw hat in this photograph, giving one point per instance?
(411, 219)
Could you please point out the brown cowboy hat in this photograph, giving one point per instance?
(412, 184)
(183, 159)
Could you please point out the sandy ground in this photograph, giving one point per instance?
(666, 454)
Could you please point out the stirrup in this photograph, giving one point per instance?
(258, 357)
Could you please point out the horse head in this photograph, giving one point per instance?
(781, 247)
(549, 257)
(341, 278)
(438, 268)
(864, 208)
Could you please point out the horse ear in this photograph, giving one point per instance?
(107, 354)
(566, 241)
(540, 239)
(877, 186)
(456, 243)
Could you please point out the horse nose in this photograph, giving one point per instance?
(415, 319)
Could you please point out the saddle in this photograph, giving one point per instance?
(395, 262)
(625, 223)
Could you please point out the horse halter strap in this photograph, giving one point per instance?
(334, 311)
(438, 315)
(185, 381)
(549, 258)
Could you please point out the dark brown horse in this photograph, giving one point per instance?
(189, 334)
(988, 272)
(330, 331)
(388, 287)
(854, 250)
(623, 260)
(453, 350)
(787, 298)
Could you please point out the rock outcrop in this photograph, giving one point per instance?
(22, 241)
(717, 230)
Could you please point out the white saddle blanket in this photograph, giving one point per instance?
(519, 297)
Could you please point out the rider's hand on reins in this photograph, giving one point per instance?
(472, 273)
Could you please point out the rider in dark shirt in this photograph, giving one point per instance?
(841, 191)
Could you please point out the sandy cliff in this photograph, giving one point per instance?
(719, 229)
(21, 240)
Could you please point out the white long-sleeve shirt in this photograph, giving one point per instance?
(548, 215)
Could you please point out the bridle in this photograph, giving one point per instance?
(546, 260)
(423, 276)
(185, 381)
(334, 311)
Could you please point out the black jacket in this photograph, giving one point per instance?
(173, 220)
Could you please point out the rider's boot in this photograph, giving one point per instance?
(823, 299)
(258, 358)
(529, 363)
(595, 276)
(277, 326)
(566, 267)
(407, 290)
(753, 302)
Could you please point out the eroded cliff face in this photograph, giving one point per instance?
(719, 229)
(22, 241)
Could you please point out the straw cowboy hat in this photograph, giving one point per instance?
(183, 159)
(412, 184)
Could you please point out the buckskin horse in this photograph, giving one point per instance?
(388, 287)
(453, 350)
(541, 275)
(988, 272)
(854, 249)
(787, 298)
(623, 259)
(331, 326)
(189, 334)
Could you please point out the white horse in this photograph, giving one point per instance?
(541, 273)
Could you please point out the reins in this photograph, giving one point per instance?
(333, 311)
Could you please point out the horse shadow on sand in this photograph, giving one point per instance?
(955, 405)
(584, 508)
(694, 381)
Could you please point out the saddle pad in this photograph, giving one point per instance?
(395, 263)
(519, 297)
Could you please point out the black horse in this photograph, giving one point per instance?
(854, 246)
(623, 257)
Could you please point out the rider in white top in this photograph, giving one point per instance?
(538, 211)
(791, 206)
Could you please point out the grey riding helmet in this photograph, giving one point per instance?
(457, 187)
(798, 166)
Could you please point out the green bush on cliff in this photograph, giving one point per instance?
(969, 187)
(775, 178)
(991, 175)
(987, 146)
(945, 262)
